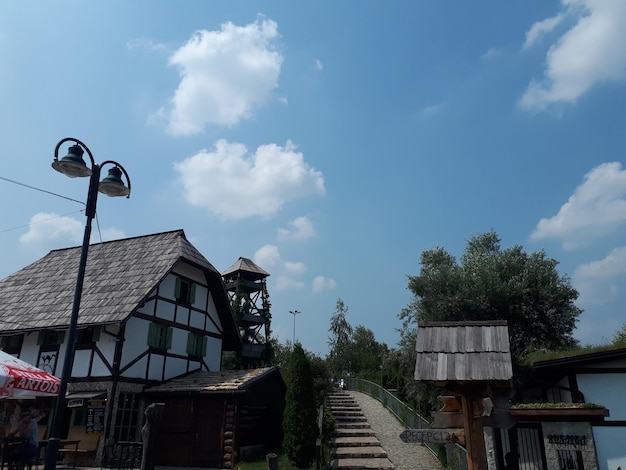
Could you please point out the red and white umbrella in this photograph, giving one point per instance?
(18, 378)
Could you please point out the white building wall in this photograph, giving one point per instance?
(610, 447)
(607, 390)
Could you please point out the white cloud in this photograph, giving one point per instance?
(321, 283)
(145, 43)
(233, 185)
(491, 53)
(432, 110)
(284, 283)
(596, 208)
(591, 52)
(541, 28)
(300, 228)
(267, 255)
(226, 76)
(596, 281)
(49, 231)
(319, 65)
(295, 267)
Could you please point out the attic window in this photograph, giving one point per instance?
(12, 344)
(50, 338)
(185, 292)
(196, 345)
(160, 336)
(88, 336)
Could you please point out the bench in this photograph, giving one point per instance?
(80, 444)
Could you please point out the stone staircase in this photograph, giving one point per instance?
(354, 445)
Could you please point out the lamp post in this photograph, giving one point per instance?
(73, 165)
(294, 313)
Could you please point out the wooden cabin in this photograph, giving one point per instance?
(213, 419)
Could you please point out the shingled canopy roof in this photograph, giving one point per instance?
(463, 352)
(214, 381)
(118, 276)
(247, 266)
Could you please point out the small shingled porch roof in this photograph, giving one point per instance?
(463, 352)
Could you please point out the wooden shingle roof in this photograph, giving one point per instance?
(214, 381)
(463, 352)
(119, 274)
(248, 267)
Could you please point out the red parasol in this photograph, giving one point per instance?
(18, 378)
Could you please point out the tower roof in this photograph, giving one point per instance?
(247, 266)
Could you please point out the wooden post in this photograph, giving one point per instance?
(272, 461)
(474, 437)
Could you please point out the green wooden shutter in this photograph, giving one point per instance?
(168, 341)
(190, 343)
(192, 293)
(152, 334)
(96, 333)
(204, 345)
(177, 289)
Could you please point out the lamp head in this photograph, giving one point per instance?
(72, 164)
(112, 185)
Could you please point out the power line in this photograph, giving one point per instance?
(39, 222)
(42, 190)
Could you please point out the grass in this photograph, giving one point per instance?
(548, 406)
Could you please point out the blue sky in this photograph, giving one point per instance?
(331, 142)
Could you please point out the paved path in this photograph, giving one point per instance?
(404, 456)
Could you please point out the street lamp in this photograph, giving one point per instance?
(294, 313)
(73, 165)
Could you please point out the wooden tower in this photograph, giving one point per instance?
(247, 289)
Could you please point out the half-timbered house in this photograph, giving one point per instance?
(152, 308)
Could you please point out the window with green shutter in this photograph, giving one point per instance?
(160, 336)
(50, 338)
(196, 345)
(12, 344)
(185, 293)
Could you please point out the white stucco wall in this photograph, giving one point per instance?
(610, 446)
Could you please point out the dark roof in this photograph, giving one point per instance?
(214, 382)
(118, 276)
(463, 352)
(563, 365)
(248, 268)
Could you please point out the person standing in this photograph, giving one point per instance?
(28, 431)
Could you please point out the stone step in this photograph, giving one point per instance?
(354, 432)
(355, 441)
(352, 424)
(350, 419)
(341, 414)
(369, 452)
(357, 464)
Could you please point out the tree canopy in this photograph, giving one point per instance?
(491, 283)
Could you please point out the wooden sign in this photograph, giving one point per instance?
(447, 419)
(433, 436)
(450, 415)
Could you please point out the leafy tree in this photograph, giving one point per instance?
(300, 416)
(491, 283)
(620, 337)
(366, 354)
(339, 341)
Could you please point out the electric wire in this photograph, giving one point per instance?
(42, 190)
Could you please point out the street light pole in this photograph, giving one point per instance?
(294, 313)
(73, 166)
